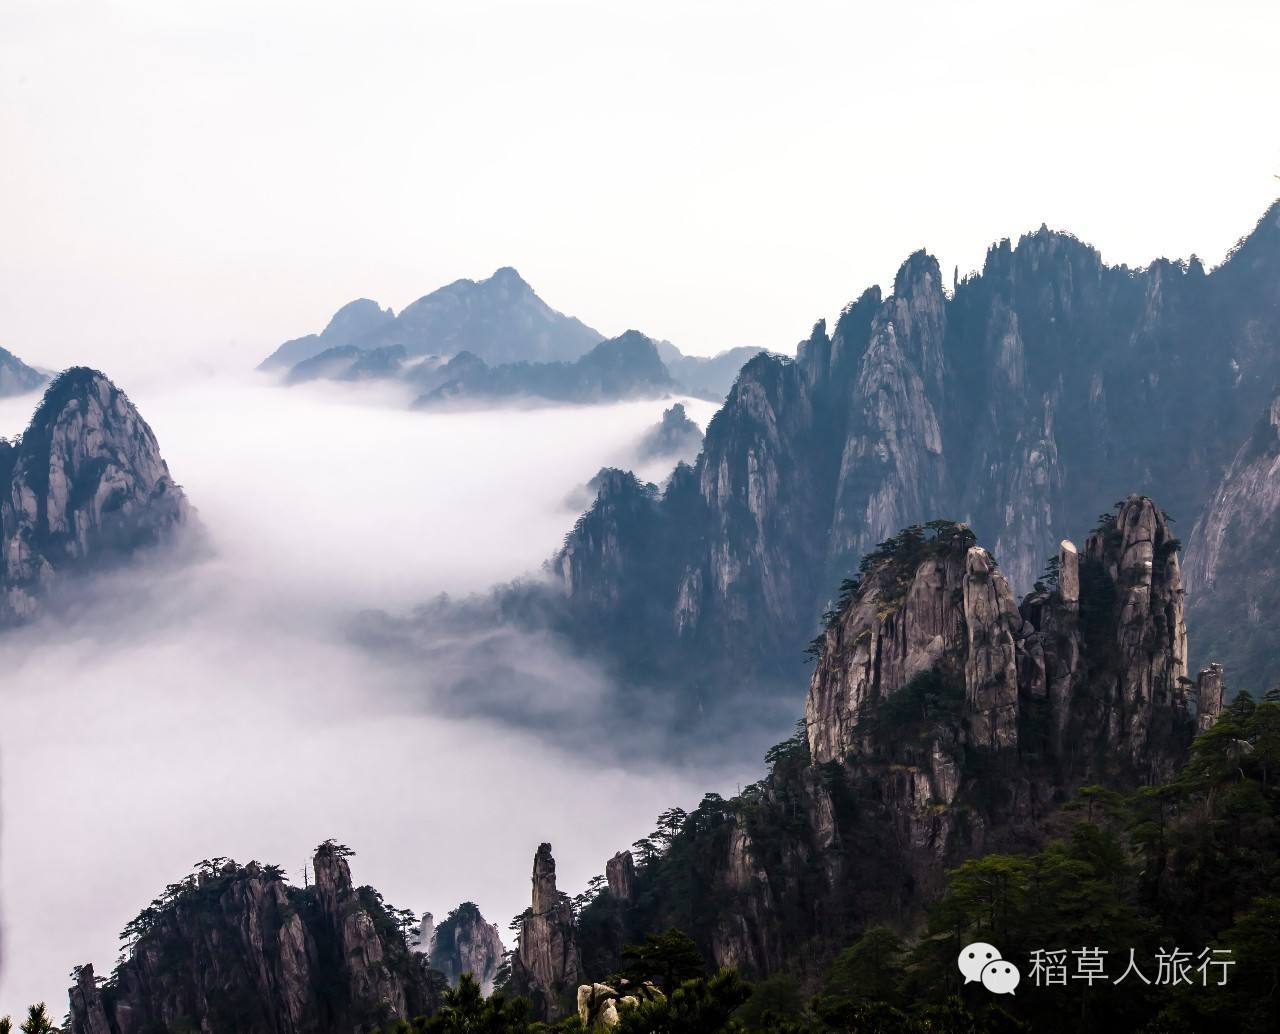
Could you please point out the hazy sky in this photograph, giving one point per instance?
(212, 177)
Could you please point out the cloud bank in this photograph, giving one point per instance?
(223, 707)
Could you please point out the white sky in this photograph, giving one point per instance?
(201, 180)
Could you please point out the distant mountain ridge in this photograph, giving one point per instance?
(16, 377)
(503, 339)
(499, 319)
(625, 367)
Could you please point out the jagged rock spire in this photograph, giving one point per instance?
(547, 966)
(1106, 648)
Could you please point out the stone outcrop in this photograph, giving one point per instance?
(1211, 687)
(546, 965)
(465, 943)
(236, 948)
(944, 719)
(85, 486)
(1040, 390)
(1108, 669)
(620, 874)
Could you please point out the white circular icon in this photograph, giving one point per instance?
(1000, 977)
(973, 957)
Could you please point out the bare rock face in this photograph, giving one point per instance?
(620, 872)
(1025, 401)
(86, 1003)
(944, 720)
(1211, 686)
(465, 943)
(84, 486)
(236, 948)
(1233, 583)
(1103, 653)
(546, 966)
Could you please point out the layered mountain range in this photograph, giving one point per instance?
(944, 720)
(84, 487)
(1023, 402)
(624, 367)
(500, 320)
(495, 339)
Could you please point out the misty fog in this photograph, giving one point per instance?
(220, 707)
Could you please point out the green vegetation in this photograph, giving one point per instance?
(466, 1011)
(1192, 864)
(37, 1022)
(928, 697)
(667, 960)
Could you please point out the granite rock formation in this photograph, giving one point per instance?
(944, 719)
(1023, 402)
(465, 943)
(546, 966)
(85, 486)
(1233, 584)
(234, 948)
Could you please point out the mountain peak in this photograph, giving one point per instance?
(508, 275)
(86, 483)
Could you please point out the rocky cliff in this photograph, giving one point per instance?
(944, 719)
(235, 948)
(84, 486)
(1022, 402)
(465, 943)
(546, 966)
(1233, 584)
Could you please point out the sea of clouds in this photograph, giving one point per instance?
(221, 706)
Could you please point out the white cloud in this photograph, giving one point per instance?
(221, 708)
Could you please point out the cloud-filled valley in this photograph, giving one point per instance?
(222, 705)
